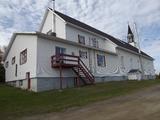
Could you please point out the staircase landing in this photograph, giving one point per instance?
(62, 61)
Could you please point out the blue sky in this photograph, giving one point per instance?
(110, 16)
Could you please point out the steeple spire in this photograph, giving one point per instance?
(130, 35)
(53, 5)
(129, 30)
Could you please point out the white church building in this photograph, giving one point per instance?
(68, 53)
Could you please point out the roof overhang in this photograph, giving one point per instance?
(42, 35)
(45, 16)
(150, 58)
(12, 40)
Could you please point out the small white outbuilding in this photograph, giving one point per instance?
(134, 74)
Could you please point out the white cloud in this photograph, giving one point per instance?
(110, 16)
(18, 16)
(153, 48)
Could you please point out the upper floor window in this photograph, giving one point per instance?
(81, 39)
(94, 42)
(101, 60)
(83, 54)
(7, 64)
(13, 60)
(23, 57)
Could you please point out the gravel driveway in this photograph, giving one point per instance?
(143, 105)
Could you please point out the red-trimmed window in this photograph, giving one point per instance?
(23, 57)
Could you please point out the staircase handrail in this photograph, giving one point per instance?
(86, 68)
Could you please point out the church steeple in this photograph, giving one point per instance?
(130, 37)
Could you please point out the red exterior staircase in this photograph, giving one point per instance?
(76, 64)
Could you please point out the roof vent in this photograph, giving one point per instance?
(51, 33)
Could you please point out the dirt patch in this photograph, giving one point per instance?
(144, 105)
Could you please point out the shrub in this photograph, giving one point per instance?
(2, 73)
(158, 76)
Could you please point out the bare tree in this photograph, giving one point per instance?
(2, 70)
(1, 55)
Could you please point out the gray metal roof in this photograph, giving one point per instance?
(89, 28)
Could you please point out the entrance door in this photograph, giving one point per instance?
(28, 79)
(91, 57)
(59, 50)
(16, 70)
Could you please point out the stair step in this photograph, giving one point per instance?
(85, 75)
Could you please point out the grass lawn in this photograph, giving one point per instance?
(16, 103)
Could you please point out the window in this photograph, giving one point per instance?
(21, 83)
(60, 50)
(94, 42)
(122, 62)
(23, 57)
(6, 64)
(16, 70)
(101, 60)
(131, 63)
(81, 39)
(83, 54)
(13, 60)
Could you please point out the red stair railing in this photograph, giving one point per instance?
(76, 63)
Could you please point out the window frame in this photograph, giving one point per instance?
(20, 82)
(24, 53)
(95, 43)
(16, 70)
(81, 54)
(81, 39)
(122, 62)
(60, 50)
(13, 60)
(103, 58)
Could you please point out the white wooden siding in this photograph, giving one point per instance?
(73, 32)
(47, 25)
(60, 25)
(147, 64)
(46, 48)
(21, 43)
